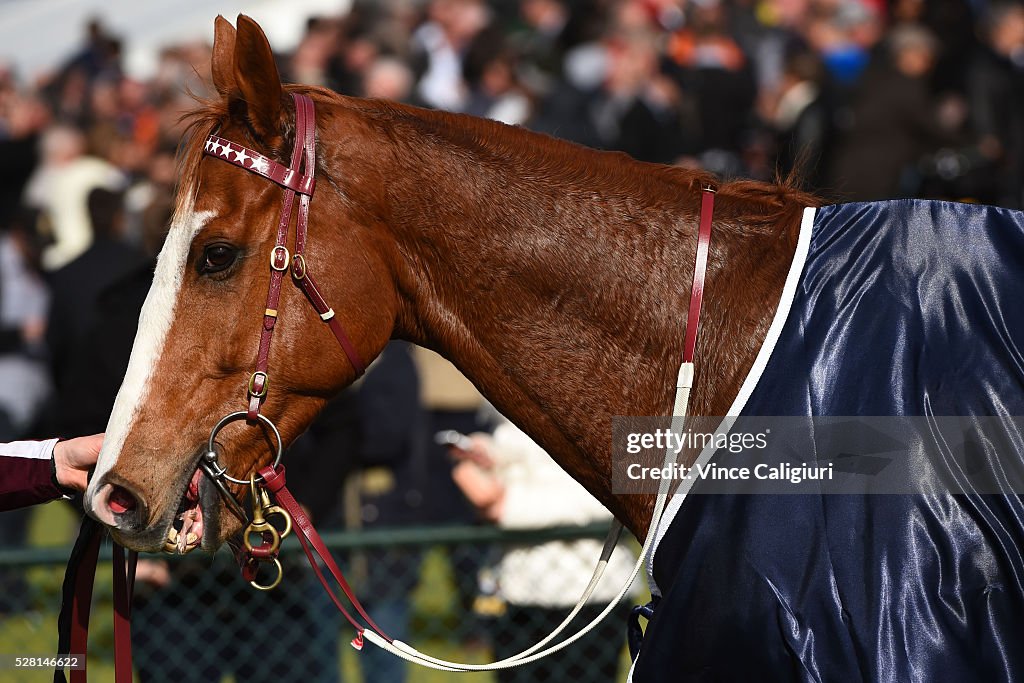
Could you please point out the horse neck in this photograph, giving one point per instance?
(557, 279)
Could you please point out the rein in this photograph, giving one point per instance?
(298, 180)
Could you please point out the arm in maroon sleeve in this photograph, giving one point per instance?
(26, 474)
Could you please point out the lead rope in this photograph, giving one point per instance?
(124, 586)
(76, 603)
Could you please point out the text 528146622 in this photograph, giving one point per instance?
(42, 662)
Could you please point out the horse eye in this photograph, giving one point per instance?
(217, 257)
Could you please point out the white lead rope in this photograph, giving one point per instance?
(684, 383)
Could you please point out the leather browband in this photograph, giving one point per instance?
(250, 160)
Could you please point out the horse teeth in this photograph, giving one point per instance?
(191, 538)
(171, 543)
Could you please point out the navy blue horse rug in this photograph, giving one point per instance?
(903, 308)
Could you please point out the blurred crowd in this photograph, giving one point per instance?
(863, 99)
(860, 99)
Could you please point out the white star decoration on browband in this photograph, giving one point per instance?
(243, 157)
(250, 160)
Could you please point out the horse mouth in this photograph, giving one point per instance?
(186, 531)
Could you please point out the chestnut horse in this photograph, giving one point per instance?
(555, 277)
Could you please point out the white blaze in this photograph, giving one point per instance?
(154, 322)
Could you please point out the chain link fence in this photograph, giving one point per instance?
(195, 619)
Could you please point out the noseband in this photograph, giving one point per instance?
(298, 179)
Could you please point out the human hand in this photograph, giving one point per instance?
(33, 331)
(482, 489)
(479, 450)
(74, 458)
(154, 572)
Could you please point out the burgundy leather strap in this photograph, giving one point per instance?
(124, 586)
(326, 313)
(300, 274)
(81, 573)
(258, 381)
(297, 180)
(274, 480)
(707, 211)
(85, 575)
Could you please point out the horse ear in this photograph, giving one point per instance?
(223, 65)
(258, 81)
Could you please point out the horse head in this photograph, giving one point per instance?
(204, 319)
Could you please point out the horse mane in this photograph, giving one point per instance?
(757, 206)
(761, 205)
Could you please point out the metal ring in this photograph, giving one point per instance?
(231, 417)
(270, 586)
(265, 528)
(278, 510)
(216, 474)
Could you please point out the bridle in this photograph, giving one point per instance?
(298, 180)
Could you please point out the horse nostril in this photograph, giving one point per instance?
(120, 500)
(117, 506)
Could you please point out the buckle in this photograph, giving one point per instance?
(252, 384)
(298, 267)
(279, 255)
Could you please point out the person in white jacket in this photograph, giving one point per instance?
(514, 483)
